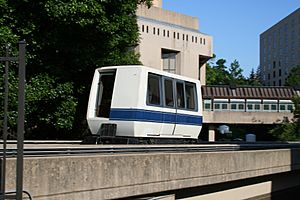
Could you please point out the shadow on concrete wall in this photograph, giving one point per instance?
(292, 179)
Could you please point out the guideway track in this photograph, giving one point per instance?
(56, 150)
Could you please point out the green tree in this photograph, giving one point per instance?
(67, 40)
(222, 77)
(49, 107)
(217, 73)
(294, 76)
(236, 74)
(253, 79)
(289, 131)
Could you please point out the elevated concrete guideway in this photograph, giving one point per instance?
(129, 175)
(230, 117)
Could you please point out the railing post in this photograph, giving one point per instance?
(21, 117)
(3, 161)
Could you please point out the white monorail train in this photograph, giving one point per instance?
(141, 102)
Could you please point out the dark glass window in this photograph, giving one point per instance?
(190, 90)
(233, 106)
(224, 106)
(180, 95)
(169, 99)
(241, 106)
(217, 106)
(154, 89)
(207, 106)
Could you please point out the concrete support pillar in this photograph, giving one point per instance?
(211, 134)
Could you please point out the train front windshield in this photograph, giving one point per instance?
(105, 92)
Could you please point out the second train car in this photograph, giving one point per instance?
(141, 102)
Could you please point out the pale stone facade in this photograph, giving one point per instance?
(172, 42)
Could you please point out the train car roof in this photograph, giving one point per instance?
(150, 69)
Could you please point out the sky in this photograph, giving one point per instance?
(235, 25)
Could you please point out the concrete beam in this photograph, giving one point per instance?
(219, 117)
(119, 176)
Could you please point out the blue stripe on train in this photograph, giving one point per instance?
(154, 116)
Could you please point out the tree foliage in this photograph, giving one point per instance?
(294, 76)
(67, 41)
(290, 131)
(254, 79)
(49, 107)
(218, 73)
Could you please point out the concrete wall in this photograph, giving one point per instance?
(170, 17)
(117, 176)
(246, 117)
(188, 48)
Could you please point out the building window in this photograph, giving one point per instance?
(168, 33)
(154, 30)
(200, 40)
(196, 39)
(279, 73)
(204, 41)
(158, 31)
(147, 29)
(192, 38)
(143, 28)
(187, 37)
(182, 36)
(164, 32)
(178, 36)
(174, 35)
(169, 60)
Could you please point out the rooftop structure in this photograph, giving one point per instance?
(172, 42)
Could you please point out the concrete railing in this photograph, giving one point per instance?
(118, 176)
(232, 117)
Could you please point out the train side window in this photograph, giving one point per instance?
(169, 99)
(241, 106)
(180, 95)
(190, 90)
(154, 89)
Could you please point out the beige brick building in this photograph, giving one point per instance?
(172, 42)
(280, 50)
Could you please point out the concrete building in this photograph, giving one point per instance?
(280, 50)
(172, 42)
